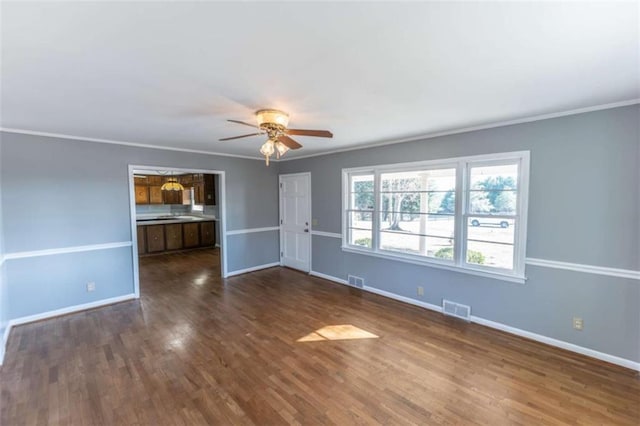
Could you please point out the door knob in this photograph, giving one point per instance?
(306, 230)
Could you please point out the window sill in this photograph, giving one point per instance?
(438, 265)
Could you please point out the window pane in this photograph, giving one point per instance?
(491, 230)
(424, 224)
(435, 202)
(493, 202)
(360, 237)
(417, 244)
(361, 183)
(443, 202)
(421, 180)
(362, 220)
(489, 254)
(489, 178)
(362, 195)
(409, 202)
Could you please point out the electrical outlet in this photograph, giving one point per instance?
(420, 291)
(578, 324)
(91, 286)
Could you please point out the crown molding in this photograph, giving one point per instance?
(117, 142)
(363, 145)
(530, 119)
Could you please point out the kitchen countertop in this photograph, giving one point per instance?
(149, 219)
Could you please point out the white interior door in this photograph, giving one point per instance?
(295, 214)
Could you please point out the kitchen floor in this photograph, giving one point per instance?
(280, 347)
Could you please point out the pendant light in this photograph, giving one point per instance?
(172, 184)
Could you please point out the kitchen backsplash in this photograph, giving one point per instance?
(173, 209)
(211, 211)
(162, 208)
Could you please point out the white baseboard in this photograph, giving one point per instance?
(633, 365)
(559, 343)
(63, 311)
(404, 299)
(252, 269)
(329, 277)
(3, 344)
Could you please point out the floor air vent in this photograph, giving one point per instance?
(355, 281)
(456, 310)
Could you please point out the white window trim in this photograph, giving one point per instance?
(462, 165)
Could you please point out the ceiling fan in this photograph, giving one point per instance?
(274, 123)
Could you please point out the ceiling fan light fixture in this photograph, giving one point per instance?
(272, 116)
(281, 148)
(267, 150)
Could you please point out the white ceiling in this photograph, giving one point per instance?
(169, 74)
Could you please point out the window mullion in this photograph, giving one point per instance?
(375, 223)
(460, 241)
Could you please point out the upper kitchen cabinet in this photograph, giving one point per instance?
(148, 189)
(142, 194)
(155, 194)
(210, 190)
(204, 189)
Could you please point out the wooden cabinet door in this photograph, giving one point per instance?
(207, 234)
(142, 239)
(142, 194)
(173, 234)
(155, 195)
(172, 197)
(209, 190)
(190, 232)
(198, 193)
(154, 180)
(155, 238)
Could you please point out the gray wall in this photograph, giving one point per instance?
(56, 193)
(4, 305)
(59, 193)
(584, 206)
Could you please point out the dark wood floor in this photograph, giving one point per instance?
(199, 350)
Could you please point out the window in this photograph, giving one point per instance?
(466, 214)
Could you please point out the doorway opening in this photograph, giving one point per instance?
(177, 212)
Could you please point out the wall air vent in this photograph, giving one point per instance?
(456, 310)
(355, 281)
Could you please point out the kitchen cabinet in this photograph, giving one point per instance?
(155, 194)
(173, 235)
(209, 190)
(172, 197)
(142, 194)
(142, 240)
(198, 193)
(154, 180)
(204, 190)
(207, 233)
(155, 238)
(191, 232)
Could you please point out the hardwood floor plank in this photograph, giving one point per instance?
(257, 349)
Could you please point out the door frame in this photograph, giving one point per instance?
(280, 176)
(222, 215)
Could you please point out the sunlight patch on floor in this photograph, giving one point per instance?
(337, 332)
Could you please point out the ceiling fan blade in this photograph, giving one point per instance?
(316, 133)
(242, 122)
(238, 137)
(290, 143)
